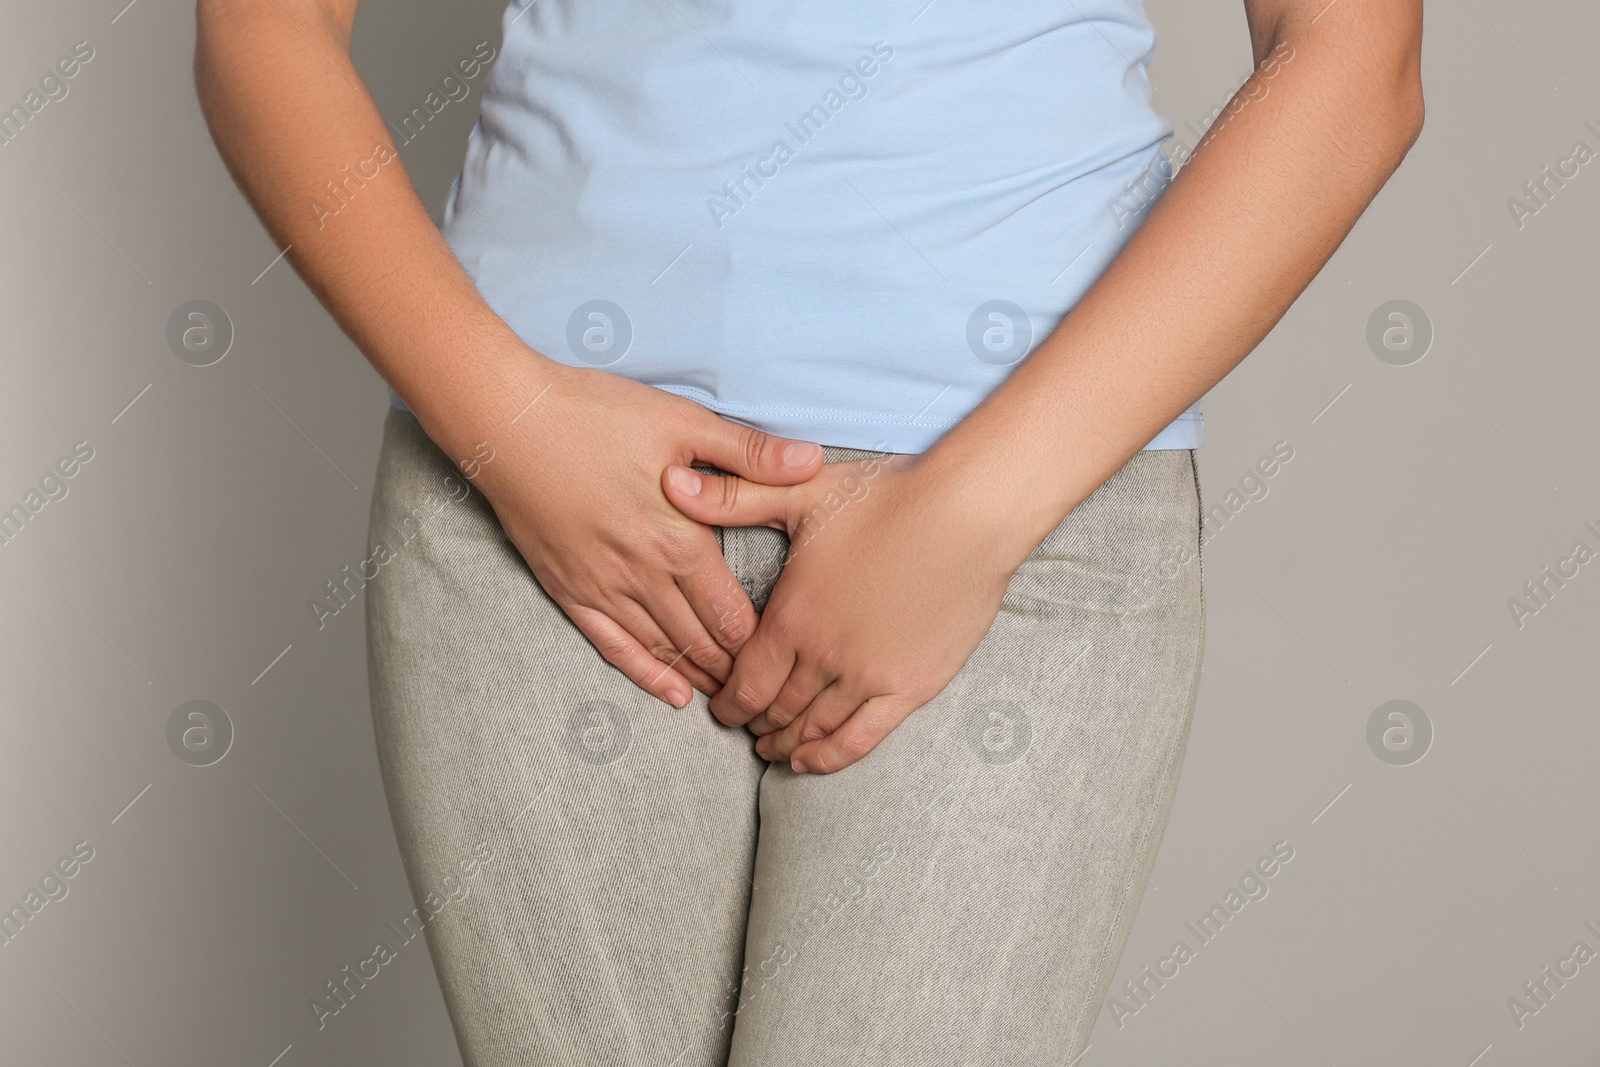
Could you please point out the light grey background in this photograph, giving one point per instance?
(1419, 500)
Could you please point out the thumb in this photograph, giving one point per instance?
(718, 501)
(754, 455)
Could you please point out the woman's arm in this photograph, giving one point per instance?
(1334, 105)
(574, 481)
(290, 114)
(876, 612)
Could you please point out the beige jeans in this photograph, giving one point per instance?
(660, 895)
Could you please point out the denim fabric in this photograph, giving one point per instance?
(659, 894)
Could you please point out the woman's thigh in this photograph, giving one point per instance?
(607, 927)
(962, 894)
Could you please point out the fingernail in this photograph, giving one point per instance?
(678, 697)
(684, 480)
(800, 453)
(796, 766)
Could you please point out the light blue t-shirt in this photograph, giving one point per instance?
(842, 221)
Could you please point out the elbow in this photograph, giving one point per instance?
(1392, 114)
(1410, 109)
(1396, 129)
(1378, 88)
(219, 20)
(218, 16)
(235, 36)
(1407, 110)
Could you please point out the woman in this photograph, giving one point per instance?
(690, 243)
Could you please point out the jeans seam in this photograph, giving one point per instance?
(1200, 533)
(1106, 965)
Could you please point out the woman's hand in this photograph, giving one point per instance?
(890, 583)
(575, 482)
(575, 477)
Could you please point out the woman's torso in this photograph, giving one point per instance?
(842, 222)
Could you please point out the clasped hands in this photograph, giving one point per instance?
(886, 591)
(895, 571)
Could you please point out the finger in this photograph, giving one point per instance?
(761, 726)
(758, 673)
(752, 454)
(720, 602)
(683, 627)
(644, 623)
(806, 680)
(718, 501)
(693, 647)
(623, 651)
(819, 719)
(859, 735)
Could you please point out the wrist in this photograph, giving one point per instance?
(1004, 490)
(484, 394)
(973, 507)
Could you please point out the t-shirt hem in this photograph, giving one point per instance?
(906, 435)
(876, 431)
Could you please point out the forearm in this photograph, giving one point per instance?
(304, 140)
(1239, 233)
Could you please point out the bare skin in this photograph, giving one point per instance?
(575, 476)
(879, 607)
